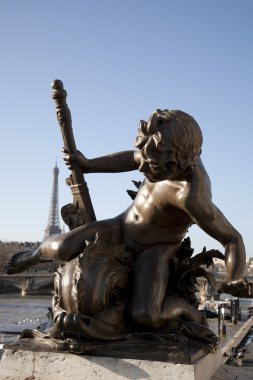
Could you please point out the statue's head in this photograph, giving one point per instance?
(170, 144)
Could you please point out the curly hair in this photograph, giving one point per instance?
(170, 137)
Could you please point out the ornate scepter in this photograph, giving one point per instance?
(81, 211)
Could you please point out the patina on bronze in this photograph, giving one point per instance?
(134, 275)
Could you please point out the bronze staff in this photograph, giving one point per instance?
(77, 183)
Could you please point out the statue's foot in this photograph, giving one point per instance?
(21, 261)
(199, 332)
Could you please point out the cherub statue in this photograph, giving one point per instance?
(175, 194)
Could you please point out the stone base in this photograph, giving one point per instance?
(179, 351)
(29, 365)
(20, 364)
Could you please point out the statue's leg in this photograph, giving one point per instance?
(174, 307)
(20, 261)
(150, 281)
(149, 306)
(66, 246)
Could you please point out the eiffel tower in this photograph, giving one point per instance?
(53, 224)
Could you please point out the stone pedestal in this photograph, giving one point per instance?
(24, 365)
(18, 363)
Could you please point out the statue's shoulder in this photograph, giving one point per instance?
(200, 186)
(200, 176)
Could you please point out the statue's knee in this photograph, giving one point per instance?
(58, 250)
(146, 318)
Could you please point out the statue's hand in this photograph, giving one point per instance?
(78, 158)
(238, 288)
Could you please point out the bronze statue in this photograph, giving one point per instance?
(135, 272)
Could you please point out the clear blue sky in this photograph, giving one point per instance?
(119, 61)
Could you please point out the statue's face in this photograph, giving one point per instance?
(157, 160)
(156, 173)
(170, 144)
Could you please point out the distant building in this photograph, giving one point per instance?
(53, 224)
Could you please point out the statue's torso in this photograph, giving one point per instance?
(157, 216)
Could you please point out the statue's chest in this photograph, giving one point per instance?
(161, 204)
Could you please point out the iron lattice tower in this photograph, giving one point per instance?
(53, 224)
